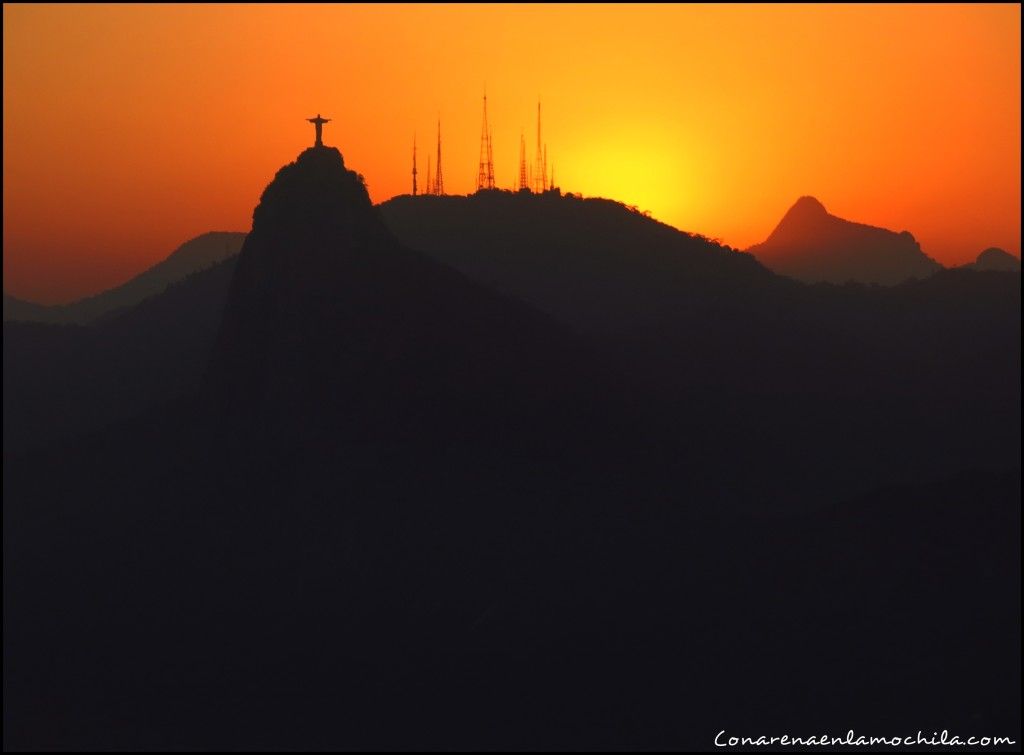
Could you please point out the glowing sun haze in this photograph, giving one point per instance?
(129, 129)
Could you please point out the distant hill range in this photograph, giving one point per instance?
(198, 254)
(997, 260)
(813, 246)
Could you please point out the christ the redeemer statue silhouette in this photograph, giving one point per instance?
(319, 123)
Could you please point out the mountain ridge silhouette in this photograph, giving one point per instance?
(661, 310)
(593, 263)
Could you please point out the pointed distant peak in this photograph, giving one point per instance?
(806, 214)
(808, 206)
(812, 245)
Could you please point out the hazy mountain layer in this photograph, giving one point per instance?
(64, 380)
(197, 254)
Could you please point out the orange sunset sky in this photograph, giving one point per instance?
(129, 129)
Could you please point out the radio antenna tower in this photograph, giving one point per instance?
(439, 181)
(524, 181)
(490, 156)
(414, 164)
(538, 170)
(430, 189)
(545, 174)
(485, 175)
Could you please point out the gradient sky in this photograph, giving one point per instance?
(130, 129)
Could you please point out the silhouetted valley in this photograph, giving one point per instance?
(510, 471)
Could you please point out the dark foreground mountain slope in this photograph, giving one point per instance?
(811, 245)
(191, 257)
(162, 596)
(407, 512)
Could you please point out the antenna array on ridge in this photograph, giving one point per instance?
(534, 176)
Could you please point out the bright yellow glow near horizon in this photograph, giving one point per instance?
(130, 128)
